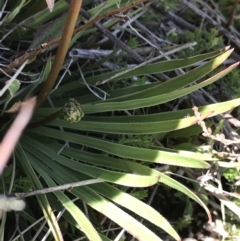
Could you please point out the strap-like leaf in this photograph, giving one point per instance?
(124, 150)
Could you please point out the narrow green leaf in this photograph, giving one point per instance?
(155, 100)
(76, 213)
(126, 165)
(107, 208)
(42, 78)
(179, 81)
(160, 67)
(163, 116)
(135, 205)
(107, 161)
(178, 186)
(107, 175)
(140, 128)
(120, 217)
(123, 150)
(11, 91)
(16, 9)
(43, 201)
(163, 66)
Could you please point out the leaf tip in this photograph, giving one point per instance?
(227, 47)
(50, 4)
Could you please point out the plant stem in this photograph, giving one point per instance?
(45, 120)
(72, 16)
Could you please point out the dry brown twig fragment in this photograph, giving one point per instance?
(231, 18)
(207, 132)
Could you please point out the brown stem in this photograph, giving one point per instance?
(231, 18)
(45, 120)
(62, 50)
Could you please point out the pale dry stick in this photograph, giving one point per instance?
(207, 132)
(128, 21)
(58, 188)
(197, 96)
(177, 49)
(227, 202)
(149, 202)
(39, 230)
(29, 81)
(97, 53)
(89, 88)
(6, 74)
(120, 235)
(217, 206)
(140, 36)
(9, 82)
(123, 26)
(12, 136)
(63, 147)
(85, 207)
(79, 239)
(119, 43)
(204, 184)
(82, 238)
(59, 215)
(151, 34)
(16, 227)
(63, 75)
(110, 224)
(234, 121)
(168, 58)
(223, 211)
(6, 87)
(111, 229)
(28, 228)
